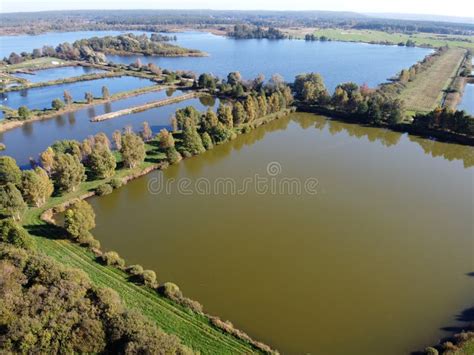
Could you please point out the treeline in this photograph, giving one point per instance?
(359, 103)
(399, 82)
(249, 31)
(155, 20)
(135, 44)
(445, 119)
(235, 87)
(48, 308)
(414, 26)
(93, 50)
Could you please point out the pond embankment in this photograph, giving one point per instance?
(147, 106)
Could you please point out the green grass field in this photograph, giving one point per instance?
(425, 92)
(421, 39)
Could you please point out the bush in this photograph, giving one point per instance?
(11, 232)
(116, 183)
(104, 189)
(112, 258)
(89, 241)
(149, 278)
(170, 290)
(135, 270)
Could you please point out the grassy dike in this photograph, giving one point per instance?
(194, 329)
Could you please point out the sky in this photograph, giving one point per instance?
(462, 8)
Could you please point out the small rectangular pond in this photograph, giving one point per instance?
(33, 137)
(467, 103)
(41, 97)
(38, 76)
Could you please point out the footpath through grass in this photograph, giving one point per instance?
(426, 91)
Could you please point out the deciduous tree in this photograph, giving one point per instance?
(67, 172)
(36, 187)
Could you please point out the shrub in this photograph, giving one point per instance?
(89, 241)
(135, 270)
(112, 258)
(170, 290)
(116, 183)
(104, 189)
(149, 278)
(11, 232)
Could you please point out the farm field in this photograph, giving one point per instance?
(420, 39)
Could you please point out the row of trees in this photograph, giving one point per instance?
(57, 104)
(366, 105)
(199, 132)
(446, 119)
(234, 86)
(245, 31)
(64, 166)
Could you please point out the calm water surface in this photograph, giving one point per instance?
(337, 61)
(34, 137)
(467, 103)
(375, 263)
(41, 97)
(39, 76)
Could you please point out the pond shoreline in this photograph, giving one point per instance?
(7, 124)
(46, 215)
(442, 136)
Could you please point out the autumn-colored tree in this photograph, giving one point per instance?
(146, 131)
(224, 114)
(67, 97)
(105, 93)
(47, 159)
(86, 148)
(167, 145)
(36, 187)
(133, 150)
(238, 114)
(102, 139)
(249, 105)
(262, 105)
(89, 97)
(174, 124)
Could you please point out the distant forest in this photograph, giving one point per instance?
(159, 20)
